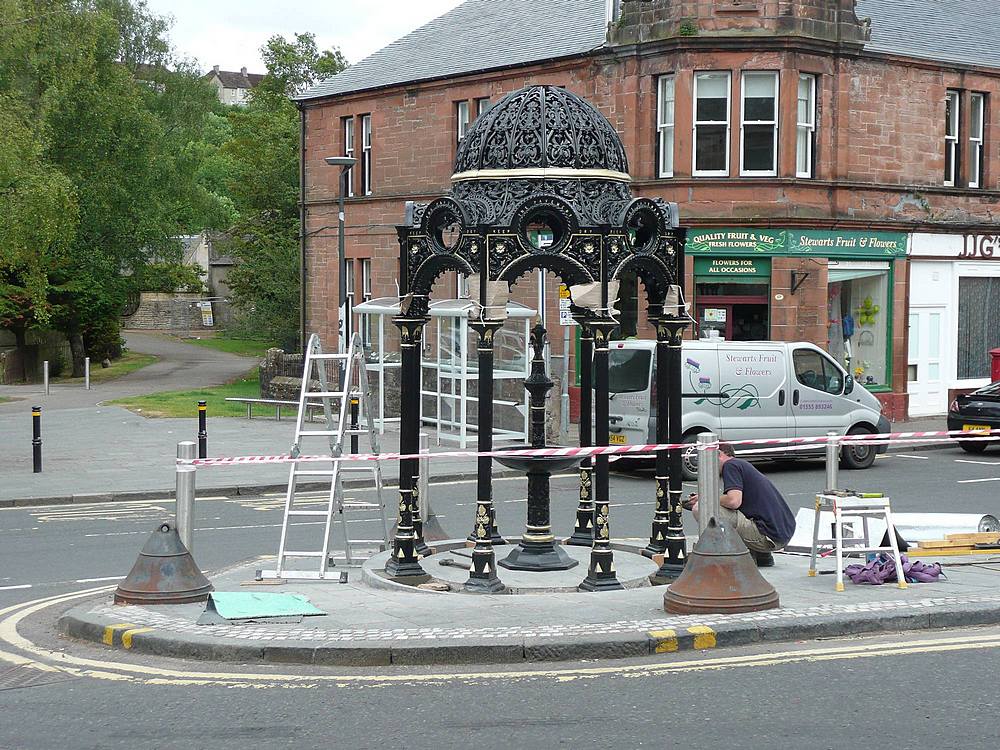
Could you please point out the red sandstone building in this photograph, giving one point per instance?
(837, 166)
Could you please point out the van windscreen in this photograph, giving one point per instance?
(628, 370)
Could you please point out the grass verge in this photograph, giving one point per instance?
(185, 403)
(242, 347)
(128, 362)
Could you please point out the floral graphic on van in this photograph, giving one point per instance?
(741, 397)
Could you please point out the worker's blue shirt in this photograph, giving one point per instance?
(762, 503)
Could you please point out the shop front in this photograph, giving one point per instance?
(836, 289)
(953, 311)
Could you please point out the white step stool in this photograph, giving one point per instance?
(853, 506)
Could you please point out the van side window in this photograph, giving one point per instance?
(813, 370)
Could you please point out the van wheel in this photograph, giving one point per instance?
(689, 458)
(857, 455)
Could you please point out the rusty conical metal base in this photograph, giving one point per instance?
(720, 577)
(165, 573)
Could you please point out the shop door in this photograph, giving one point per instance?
(925, 379)
(735, 318)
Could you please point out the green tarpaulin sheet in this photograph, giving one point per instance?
(252, 605)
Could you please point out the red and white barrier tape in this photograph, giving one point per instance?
(801, 443)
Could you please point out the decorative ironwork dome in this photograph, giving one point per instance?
(542, 128)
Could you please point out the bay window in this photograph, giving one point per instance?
(805, 136)
(711, 125)
(665, 125)
(348, 123)
(366, 154)
(951, 138)
(977, 107)
(759, 125)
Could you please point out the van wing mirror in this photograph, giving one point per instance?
(848, 384)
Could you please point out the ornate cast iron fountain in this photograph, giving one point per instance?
(544, 157)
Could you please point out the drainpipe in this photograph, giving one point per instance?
(302, 226)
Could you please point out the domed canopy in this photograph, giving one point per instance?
(545, 132)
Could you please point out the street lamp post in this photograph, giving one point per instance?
(345, 163)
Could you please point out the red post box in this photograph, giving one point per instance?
(995, 365)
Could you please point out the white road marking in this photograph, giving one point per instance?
(11, 588)
(977, 481)
(98, 580)
(978, 463)
(906, 455)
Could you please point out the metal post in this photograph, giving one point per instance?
(564, 396)
(184, 508)
(483, 577)
(36, 439)
(601, 574)
(424, 480)
(45, 376)
(86, 373)
(832, 460)
(202, 429)
(708, 479)
(583, 532)
(403, 562)
(342, 266)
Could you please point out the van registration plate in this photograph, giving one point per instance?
(618, 440)
(975, 428)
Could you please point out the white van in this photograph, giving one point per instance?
(743, 390)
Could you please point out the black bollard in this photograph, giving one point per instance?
(36, 439)
(202, 430)
(355, 426)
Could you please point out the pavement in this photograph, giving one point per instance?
(95, 452)
(371, 621)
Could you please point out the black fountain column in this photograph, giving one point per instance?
(583, 532)
(669, 399)
(483, 573)
(403, 563)
(538, 550)
(601, 574)
(661, 516)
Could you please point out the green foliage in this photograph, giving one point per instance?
(688, 28)
(264, 161)
(170, 277)
(185, 403)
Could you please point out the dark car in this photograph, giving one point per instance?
(979, 410)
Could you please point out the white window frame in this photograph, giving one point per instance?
(729, 107)
(483, 105)
(366, 296)
(666, 91)
(349, 287)
(462, 119)
(773, 171)
(349, 151)
(977, 130)
(951, 140)
(366, 154)
(805, 129)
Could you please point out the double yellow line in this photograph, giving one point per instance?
(16, 649)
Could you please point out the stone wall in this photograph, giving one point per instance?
(41, 346)
(173, 312)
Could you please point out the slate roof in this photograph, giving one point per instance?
(478, 35)
(236, 79)
(488, 34)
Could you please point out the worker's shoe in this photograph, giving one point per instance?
(763, 559)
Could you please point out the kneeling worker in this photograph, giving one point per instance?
(751, 505)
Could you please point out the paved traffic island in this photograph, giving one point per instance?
(371, 625)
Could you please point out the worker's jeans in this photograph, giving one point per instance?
(752, 536)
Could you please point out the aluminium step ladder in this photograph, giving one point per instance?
(354, 385)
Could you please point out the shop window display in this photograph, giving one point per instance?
(858, 311)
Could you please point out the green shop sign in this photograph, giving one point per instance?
(730, 267)
(796, 242)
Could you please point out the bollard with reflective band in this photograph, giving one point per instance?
(36, 439)
(832, 461)
(202, 430)
(86, 373)
(185, 492)
(355, 425)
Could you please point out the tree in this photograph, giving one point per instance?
(264, 149)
